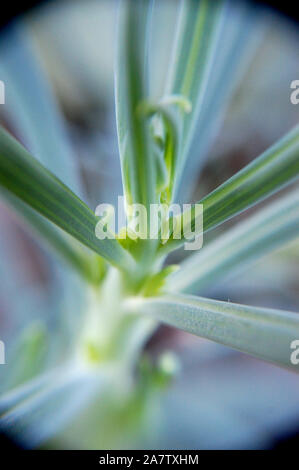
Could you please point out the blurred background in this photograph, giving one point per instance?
(221, 399)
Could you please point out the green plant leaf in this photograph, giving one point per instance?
(197, 33)
(241, 31)
(56, 239)
(27, 179)
(137, 162)
(245, 243)
(274, 169)
(264, 333)
(164, 133)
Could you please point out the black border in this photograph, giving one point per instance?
(14, 9)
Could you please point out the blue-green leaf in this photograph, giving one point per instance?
(264, 333)
(27, 179)
(274, 169)
(245, 243)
